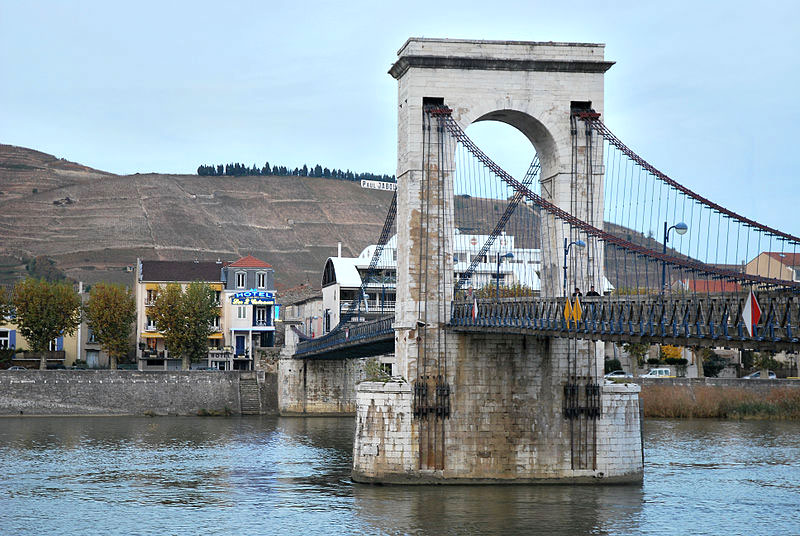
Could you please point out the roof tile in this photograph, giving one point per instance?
(250, 262)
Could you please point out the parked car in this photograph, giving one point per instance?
(618, 374)
(58, 366)
(658, 373)
(17, 367)
(757, 375)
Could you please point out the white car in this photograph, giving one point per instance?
(757, 375)
(658, 373)
(618, 374)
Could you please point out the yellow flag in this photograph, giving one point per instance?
(567, 311)
(577, 312)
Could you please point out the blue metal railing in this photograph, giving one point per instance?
(351, 334)
(699, 318)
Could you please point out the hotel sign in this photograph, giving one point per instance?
(253, 297)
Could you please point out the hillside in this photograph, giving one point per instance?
(93, 224)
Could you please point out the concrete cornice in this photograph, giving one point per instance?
(404, 63)
(446, 41)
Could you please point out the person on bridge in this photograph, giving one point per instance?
(592, 292)
(577, 292)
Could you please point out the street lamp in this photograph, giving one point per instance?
(577, 243)
(500, 258)
(681, 229)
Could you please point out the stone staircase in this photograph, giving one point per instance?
(249, 395)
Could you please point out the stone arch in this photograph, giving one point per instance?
(538, 134)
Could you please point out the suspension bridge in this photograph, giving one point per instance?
(663, 297)
(606, 248)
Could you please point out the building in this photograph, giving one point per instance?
(776, 265)
(61, 352)
(246, 299)
(249, 309)
(66, 350)
(707, 286)
(502, 264)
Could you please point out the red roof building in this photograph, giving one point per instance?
(711, 286)
(250, 262)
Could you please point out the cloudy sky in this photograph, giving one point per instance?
(706, 91)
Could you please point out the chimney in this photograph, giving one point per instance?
(339, 255)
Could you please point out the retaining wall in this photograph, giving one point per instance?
(122, 392)
(318, 386)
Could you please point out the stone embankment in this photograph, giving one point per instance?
(121, 392)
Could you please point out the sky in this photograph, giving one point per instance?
(705, 91)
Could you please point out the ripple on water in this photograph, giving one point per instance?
(291, 476)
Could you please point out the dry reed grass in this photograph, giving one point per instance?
(704, 401)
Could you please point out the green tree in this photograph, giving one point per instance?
(185, 317)
(636, 350)
(44, 311)
(110, 311)
(709, 363)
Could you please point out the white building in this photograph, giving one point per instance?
(342, 277)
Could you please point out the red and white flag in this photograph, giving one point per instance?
(474, 309)
(751, 313)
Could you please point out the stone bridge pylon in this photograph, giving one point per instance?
(492, 407)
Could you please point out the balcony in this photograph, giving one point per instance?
(262, 323)
(149, 327)
(373, 306)
(149, 353)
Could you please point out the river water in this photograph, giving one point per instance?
(220, 476)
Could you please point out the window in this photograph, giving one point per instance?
(151, 325)
(241, 311)
(261, 314)
(5, 338)
(90, 335)
(217, 295)
(215, 322)
(241, 279)
(151, 296)
(481, 258)
(261, 279)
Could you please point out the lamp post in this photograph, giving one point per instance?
(577, 243)
(681, 229)
(500, 258)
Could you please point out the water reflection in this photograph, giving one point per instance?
(181, 476)
(498, 509)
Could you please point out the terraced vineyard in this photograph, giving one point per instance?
(94, 224)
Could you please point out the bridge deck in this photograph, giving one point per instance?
(677, 320)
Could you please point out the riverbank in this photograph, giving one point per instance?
(721, 398)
